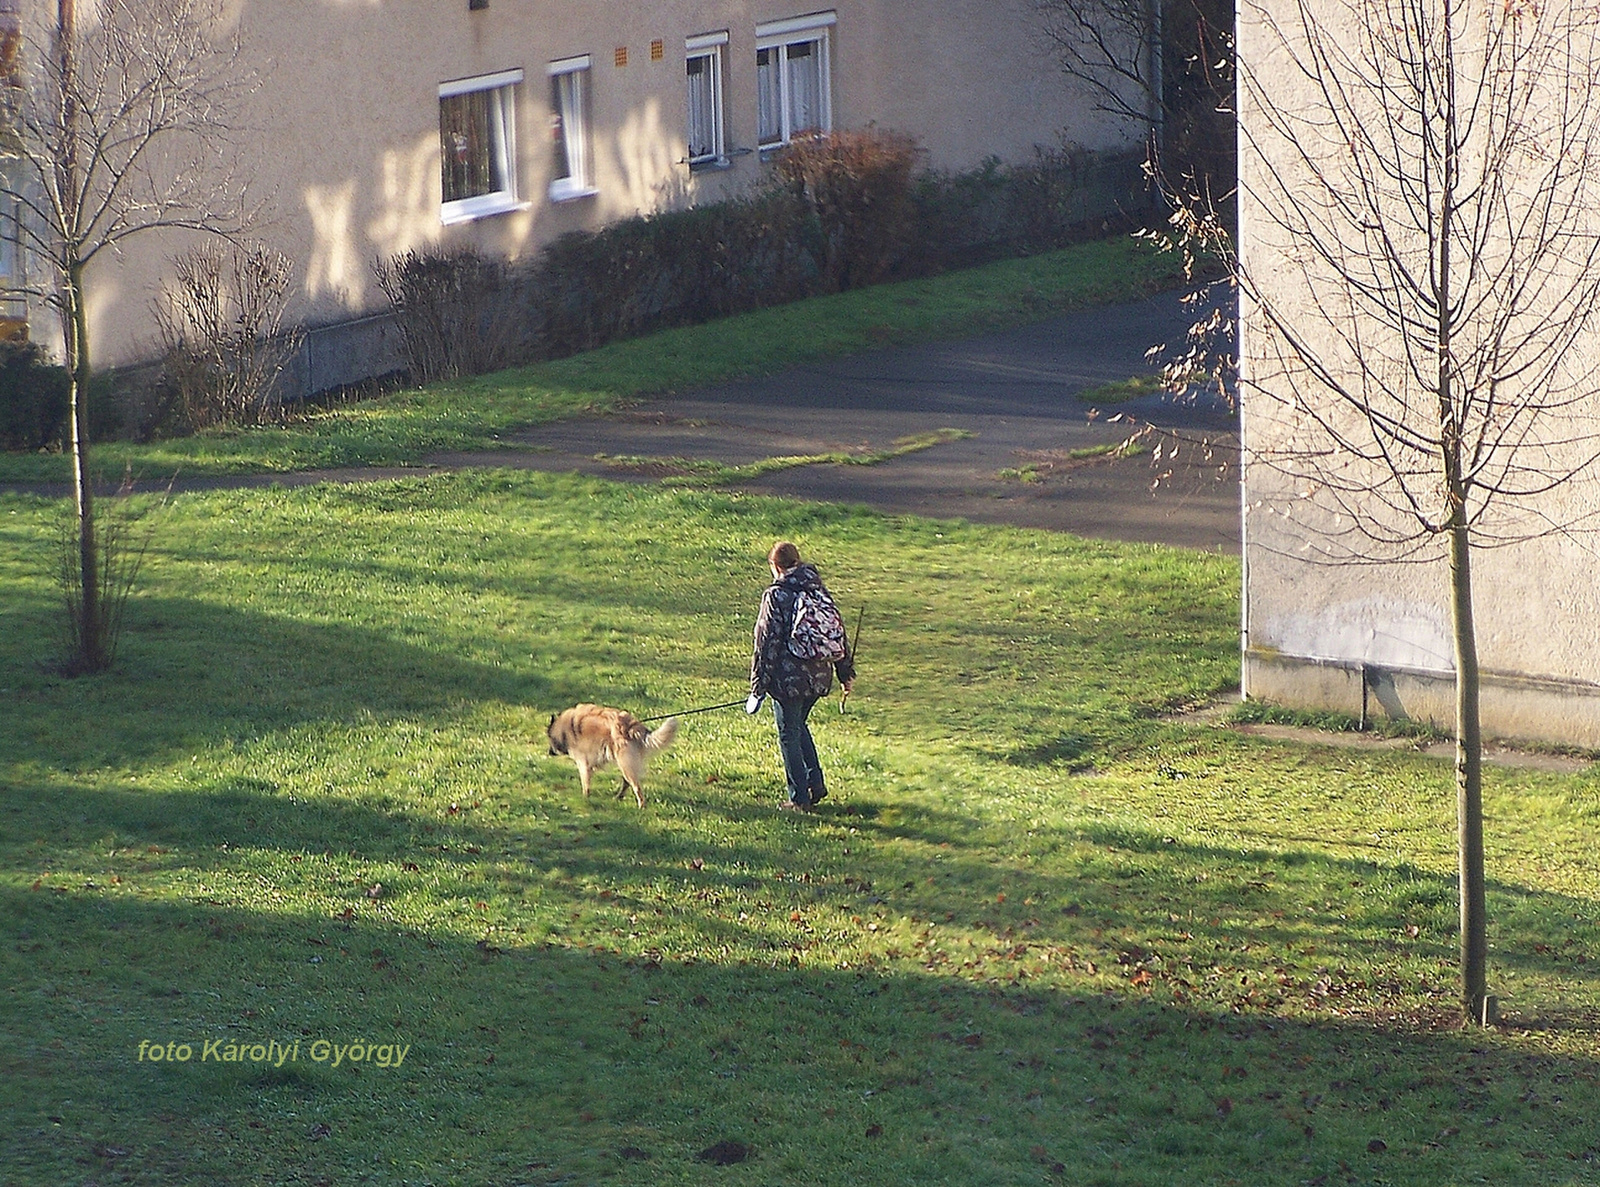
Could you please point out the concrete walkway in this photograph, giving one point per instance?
(1013, 396)
(1014, 393)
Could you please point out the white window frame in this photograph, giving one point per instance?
(575, 130)
(711, 47)
(504, 84)
(779, 36)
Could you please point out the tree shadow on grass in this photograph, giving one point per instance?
(192, 675)
(1186, 914)
(196, 828)
(546, 1064)
(884, 819)
(609, 586)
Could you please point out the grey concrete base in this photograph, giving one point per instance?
(1513, 707)
(345, 353)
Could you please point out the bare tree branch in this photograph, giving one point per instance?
(1164, 67)
(114, 123)
(1427, 264)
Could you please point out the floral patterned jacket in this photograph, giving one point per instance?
(777, 672)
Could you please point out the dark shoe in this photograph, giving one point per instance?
(818, 793)
(792, 806)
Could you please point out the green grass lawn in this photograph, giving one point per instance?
(1037, 934)
(472, 414)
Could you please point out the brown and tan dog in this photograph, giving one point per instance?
(593, 736)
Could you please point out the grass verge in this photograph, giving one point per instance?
(406, 427)
(706, 472)
(1036, 934)
(1123, 389)
(1042, 463)
(1384, 726)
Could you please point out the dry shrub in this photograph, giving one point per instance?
(459, 312)
(995, 211)
(33, 398)
(123, 540)
(858, 185)
(223, 339)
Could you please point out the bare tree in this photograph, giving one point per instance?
(224, 341)
(1165, 66)
(118, 122)
(1420, 274)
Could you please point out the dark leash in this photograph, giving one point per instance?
(690, 712)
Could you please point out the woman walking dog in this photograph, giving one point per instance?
(799, 645)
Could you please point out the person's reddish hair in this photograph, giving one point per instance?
(784, 555)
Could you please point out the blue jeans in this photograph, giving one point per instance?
(801, 770)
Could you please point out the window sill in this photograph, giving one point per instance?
(710, 165)
(466, 210)
(567, 190)
(802, 137)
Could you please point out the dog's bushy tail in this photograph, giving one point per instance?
(661, 737)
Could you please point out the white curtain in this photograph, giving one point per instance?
(804, 62)
(703, 138)
(571, 152)
(500, 140)
(769, 91)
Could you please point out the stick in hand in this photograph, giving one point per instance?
(860, 614)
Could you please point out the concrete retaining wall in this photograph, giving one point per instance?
(1514, 707)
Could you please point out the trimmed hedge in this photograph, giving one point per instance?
(675, 269)
(838, 212)
(33, 398)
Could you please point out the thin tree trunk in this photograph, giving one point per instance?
(91, 655)
(1469, 739)
(91, 646)
(1469, 782)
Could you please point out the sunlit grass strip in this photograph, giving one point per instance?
(1123, 389)
(1036, 471)
(705, 472)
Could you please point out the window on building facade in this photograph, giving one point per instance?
(792, 78)
(570, 175)
(706, 140)
(10, 250)
(13, 303)
(477, 146)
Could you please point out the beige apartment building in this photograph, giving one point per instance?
(1347, 604)
(381, 126)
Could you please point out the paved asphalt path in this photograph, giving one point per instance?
(1014, 392)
